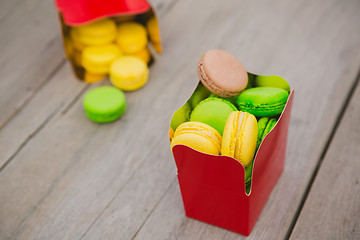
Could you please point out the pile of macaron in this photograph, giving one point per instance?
(117, 48)
(231, 111)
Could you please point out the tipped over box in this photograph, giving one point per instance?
(74, 13)
(213, 187)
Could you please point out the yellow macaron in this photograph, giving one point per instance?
(171, 133)
(143, 54)
(128, 73)
(239, 137)
(98, 59)
(93, 77)
(94, 34)
(131, 37)
(198, 136)
(152, 26)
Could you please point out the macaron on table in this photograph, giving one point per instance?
(109, 39)
(229, 141)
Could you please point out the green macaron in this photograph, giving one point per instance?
(104, 104)
(263, 101)
(200, 93)
(265, 125)
(248, 177)
(180, 116)
(232, 99)
(214, 112)
(272, 81)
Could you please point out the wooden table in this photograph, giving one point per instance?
(64, 177)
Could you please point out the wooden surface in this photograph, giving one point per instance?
(64, 177)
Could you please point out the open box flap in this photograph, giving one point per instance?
(77, 12)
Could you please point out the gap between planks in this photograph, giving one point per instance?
(339, 118)
(162, 9)
(26, 101)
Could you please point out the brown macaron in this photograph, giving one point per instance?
(222, 73)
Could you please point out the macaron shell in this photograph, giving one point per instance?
(94, 33)
(200, 93)
(93, 77)
(104, 104)
(131, 37)
(171, 134)
(214, 112)
(272, 81)
(270, 125)
(240, 136)
(96, 28)
(128, 73)
(143, 55)
(261, 128)
(198, 136)
(232, 99)
(180, 116)
(99, 59)
(222, 73)
(153, 29)
(263, 101)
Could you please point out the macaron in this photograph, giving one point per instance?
(263, 101)
(214, 112)
(131, 37)
(95, 33)
(152, 26)
(143, 54)
(200, 93)
(272, 81)
(222, 73)
(239, 137)
(265, 125)
(198, 136)
(98, 59)
(180, 116)
(128, 73)
(171, 134)
(104, 104)
(93, 77)
(232, 99)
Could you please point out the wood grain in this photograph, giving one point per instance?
(332, 210)
(19, 133)
(75, 179)
(317, 77)
(31, 50)
(44, 105)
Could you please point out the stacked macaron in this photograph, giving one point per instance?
(230, 111)
(98, 46)
(114, 47)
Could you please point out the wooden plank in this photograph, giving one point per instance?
(55, 96)
(310, 47)
(31, 50)
(67, 179)
(53, 99)
(332, 209)
(16, 133)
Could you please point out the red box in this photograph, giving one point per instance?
(213, 187)
(78, 12)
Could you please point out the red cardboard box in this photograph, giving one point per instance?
(79, 12)
(213, 187)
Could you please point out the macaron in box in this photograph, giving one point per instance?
(229, 142)
(96, 33)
